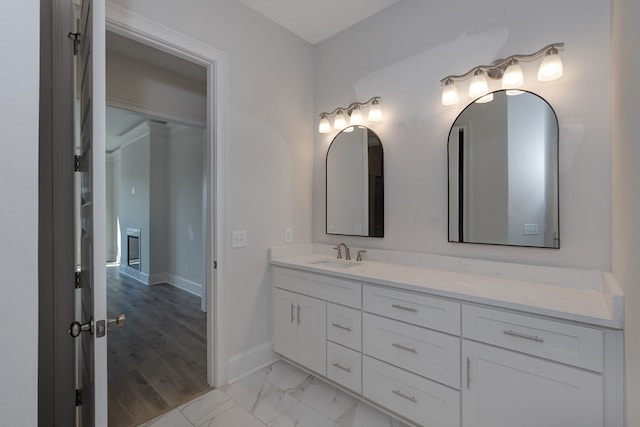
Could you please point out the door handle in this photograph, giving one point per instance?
(118, 320)
(76, 328)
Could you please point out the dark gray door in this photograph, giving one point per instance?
(93, 346)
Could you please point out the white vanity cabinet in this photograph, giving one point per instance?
(508, 389)
(299, 330)
(535, 372)
(449, 361)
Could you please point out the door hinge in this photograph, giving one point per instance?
(215, 264)
(76, 163)
(77, 276)
(78, 397)
(76, 42)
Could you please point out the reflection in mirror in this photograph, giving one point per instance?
(355, 184)
(503, 172)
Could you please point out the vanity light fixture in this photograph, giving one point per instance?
(354, 113)
(508, 70)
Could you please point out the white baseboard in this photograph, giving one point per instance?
(134, 274)
(159, 278)
(186, 285)
(250, 361)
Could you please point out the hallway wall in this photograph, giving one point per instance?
(270, 149)
(625, 109)
(19, 109)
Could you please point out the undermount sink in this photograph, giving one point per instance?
(334, 263)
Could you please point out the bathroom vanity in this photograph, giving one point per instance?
(440, 341)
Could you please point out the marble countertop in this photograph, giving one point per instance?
(602, 307)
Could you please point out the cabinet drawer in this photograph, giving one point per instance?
(425, 352)
(344, 366)
(422, 401)
(333, 289)
(571, 344)
(344, 326)
(413, 308)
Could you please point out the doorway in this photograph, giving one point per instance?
(155, 271)
(150, 268)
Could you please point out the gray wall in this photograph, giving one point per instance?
(270, 145)
(165, 164)
(134, 207)
(151, 90)
(404, 51)
(625, 110)
(19, 214)
(185, 200)
(113, 171)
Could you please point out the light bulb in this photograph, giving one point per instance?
(324, 126)
(513, 76)
(514, 92)
(551, 66)
(478, 86)
(356, 116)
(485, 99)
(348, 129)
(339, 122)
(375, 112)
(450, 93)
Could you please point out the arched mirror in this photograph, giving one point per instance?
(503, 172)
(355, 184)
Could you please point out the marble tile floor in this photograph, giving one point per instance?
(279, 395)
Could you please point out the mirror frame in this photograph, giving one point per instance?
(326, 185)
(557, 164)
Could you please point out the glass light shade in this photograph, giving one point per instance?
(450, 93)
(356, 116)
(339, 122)
(324, 126)
(375, 112)
(513, 76)
(551, 67)
(485, 99)
(478, 86)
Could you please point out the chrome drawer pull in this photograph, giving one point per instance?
(401, 394)
(339, 366)
(468, 372)
(339, 326)
(293, 316)
(299, 315)
(401, 307)
(400, 346)
(525, 336)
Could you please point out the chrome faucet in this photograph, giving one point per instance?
(347, 255)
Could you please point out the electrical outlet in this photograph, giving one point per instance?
(239, 239)
(288, 235)
(530, 229)
(187, 268)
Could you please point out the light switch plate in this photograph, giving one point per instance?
(239, 239)
(288, 235)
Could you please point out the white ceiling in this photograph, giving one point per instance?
(317, 20)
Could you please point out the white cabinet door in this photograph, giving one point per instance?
(285, 334)
(312, 334)
(300, 330)
(502, 388)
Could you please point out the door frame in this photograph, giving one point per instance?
(143, 30)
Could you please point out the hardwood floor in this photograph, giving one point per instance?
(157, 361)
